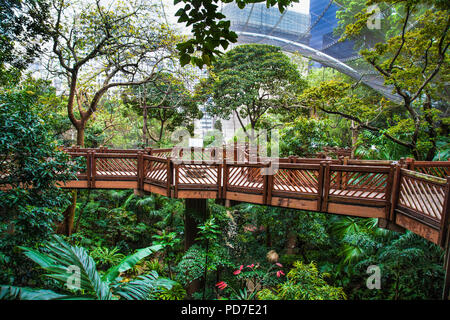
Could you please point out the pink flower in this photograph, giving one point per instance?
(221, 285)
(239, 270)
(251, 266)
(279, 264)
(280, 273)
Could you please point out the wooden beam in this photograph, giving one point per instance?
(355, 210)
(418, 228)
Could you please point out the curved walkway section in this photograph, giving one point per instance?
(408, 194)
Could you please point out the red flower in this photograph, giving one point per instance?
(279, 264)
(251, 266)
(239, 270)
(221, 285)
(280, 273)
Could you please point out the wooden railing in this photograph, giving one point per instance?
(406, 193)
(421, 204)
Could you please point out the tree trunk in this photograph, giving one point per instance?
(144, 127)
(193, 208)
(80, 137)
(66, 226)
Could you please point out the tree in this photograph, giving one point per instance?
(165, 100)
(23, 26)
(34, 165)
(251, 80)
(100, 48)
(415, 64)
(305, 137)
(97, 49)
(210, 29)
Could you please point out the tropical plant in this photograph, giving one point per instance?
(105, 257)
(72, 267)
(208, 233)
(167, 241)
(304, 282)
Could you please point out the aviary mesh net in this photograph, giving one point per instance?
(314, 32)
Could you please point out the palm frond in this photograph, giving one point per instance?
(62, 257)
(16, 293)
(129, 262)
(142, 287)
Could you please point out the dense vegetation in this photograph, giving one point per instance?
(128, 246)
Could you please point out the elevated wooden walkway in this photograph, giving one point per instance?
(409, 194)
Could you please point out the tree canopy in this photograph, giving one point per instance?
(250, 80)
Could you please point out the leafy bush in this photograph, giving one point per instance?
(304, 282)
(33, 164)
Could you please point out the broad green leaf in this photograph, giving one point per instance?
(129, 262)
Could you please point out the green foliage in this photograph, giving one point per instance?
(305, 137)
(35, 164)
(169, 105)
(411, 268)
(105, 257)
(166, 239)
(208, 231)
(177, 292)
(304, 282)
(250, 80)
(63, 262)
(23, 28)
(209, 28)
(192, 265)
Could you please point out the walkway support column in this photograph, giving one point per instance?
(196, 211)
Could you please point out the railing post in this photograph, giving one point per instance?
(326, 186)
(89, 169)
(219, 179)
(339, 173)
(270, 175)
(93, 169)
(225, 178)
(265, 182)
(320, 186)
(388, 190)
(395, 192)
(224, 153)
(176, 168)
(344, 181)
(409, 163)
(169, 176)
(140, 170)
